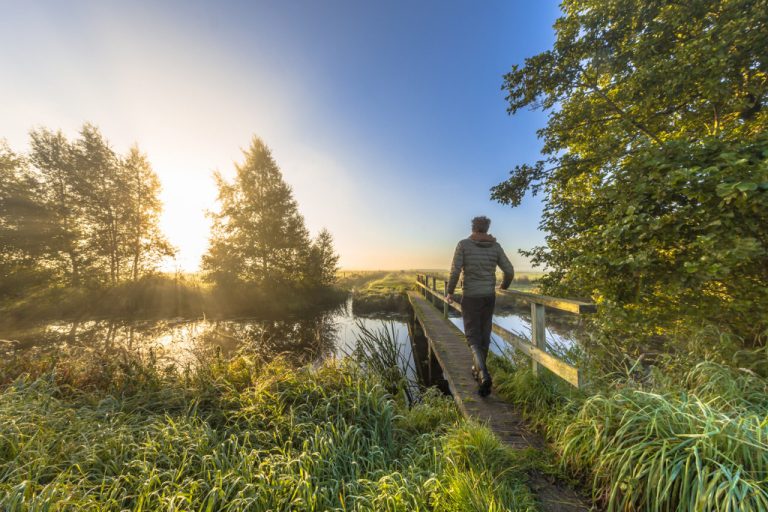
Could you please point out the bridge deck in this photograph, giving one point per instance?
(449, 346)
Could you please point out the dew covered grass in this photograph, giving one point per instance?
(119, 433)
(697, 441)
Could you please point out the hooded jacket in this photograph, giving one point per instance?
(478, 256)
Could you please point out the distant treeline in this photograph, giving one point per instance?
(77, 215)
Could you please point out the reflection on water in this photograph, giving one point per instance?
(562, 332)
(329, 334)
(303, 340)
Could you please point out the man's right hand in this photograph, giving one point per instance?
(449, 298)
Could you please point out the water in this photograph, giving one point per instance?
(561, 332)
(325, 335)
(328, 334)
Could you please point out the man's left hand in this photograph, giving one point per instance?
(449, 298)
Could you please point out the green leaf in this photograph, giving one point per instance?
(746, 186)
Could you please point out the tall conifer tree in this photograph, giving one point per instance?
(258, 235)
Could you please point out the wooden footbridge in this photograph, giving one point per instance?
(444, 359)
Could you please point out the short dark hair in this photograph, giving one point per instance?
(481, 224)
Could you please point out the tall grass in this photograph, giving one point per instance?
(697, 442)
(380, 352)
(239, 434)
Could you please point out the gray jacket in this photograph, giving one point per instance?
(478, 257)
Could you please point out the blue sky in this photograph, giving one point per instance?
(387, 118)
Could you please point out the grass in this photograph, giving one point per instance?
(379, 351)
(526, 281)
(118, 432)
(379, 291)
(384, 291)
(693, 442)
(156, 296)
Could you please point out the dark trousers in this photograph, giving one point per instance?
(477, 313)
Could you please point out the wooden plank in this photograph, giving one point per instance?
(573, 306)
(560, 368)
(449, 347)
(426, 289)
(445, 303)
(538, 331)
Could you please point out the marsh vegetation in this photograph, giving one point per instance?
(239, 433)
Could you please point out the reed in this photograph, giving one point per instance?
(380, 352)
(699, 442)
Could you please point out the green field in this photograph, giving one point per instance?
(399, 281)
(384, 290)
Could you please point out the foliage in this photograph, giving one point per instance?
(691, 443)
(322, 262)
(657, 162)
(145, 242)
(241, 435)
(258, 234)
(77, 213)
(25, 225)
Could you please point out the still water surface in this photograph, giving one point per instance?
(332, 333)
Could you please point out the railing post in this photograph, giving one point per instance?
(434, 289)
(445, 294)
(538, 331)
(432, 297)
(430, 357)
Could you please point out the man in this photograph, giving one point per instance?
(478, 257)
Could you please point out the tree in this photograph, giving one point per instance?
(24, 225)
(102, 185)
(258, 236)
(323, 261)
(145, 244)
(52, 157)
(655, 169)
(103, 210)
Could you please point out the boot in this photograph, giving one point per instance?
(485, 376)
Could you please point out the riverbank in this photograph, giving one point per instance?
(187, 296)
(679, 439)
(117, 433)
(164, 297)
(384, 291)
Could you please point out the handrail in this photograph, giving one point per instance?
(536, 348)
(570, 305)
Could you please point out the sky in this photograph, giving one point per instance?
(386, 118)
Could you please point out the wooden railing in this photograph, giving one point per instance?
(536, 347)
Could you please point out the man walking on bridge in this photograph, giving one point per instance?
(478, 256)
